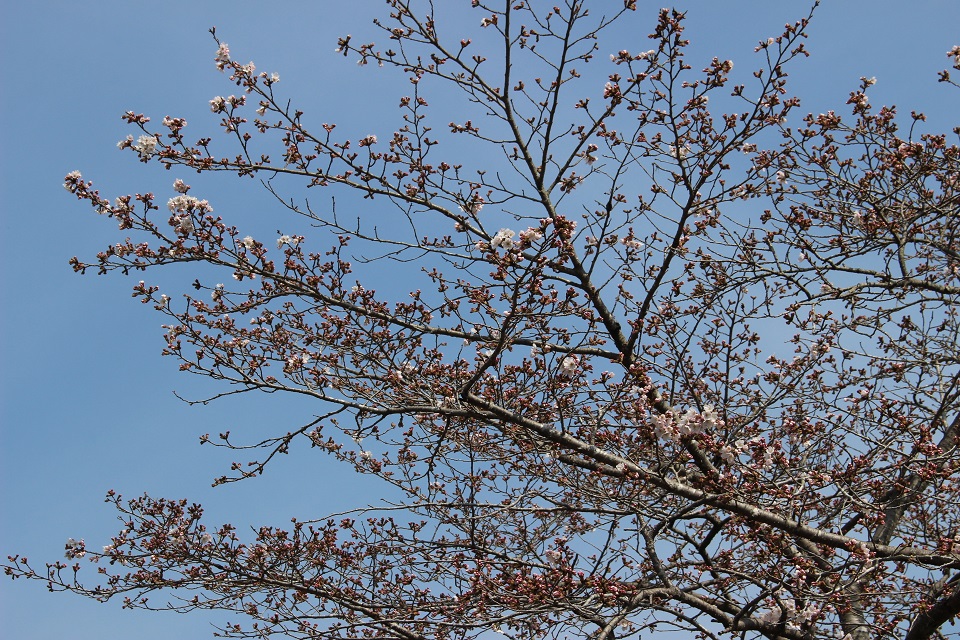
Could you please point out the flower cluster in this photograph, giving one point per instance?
(74, 549)
(219, 103)
(146, 146)
(184, 203)
(531, 235)
(503, 239)
(174, 124)
(678, 152)
(787, 611)
(568, 366)
(73, 181)
(672, 428)
(223, 56)
(473, 205)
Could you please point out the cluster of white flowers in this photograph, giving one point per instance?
(72, 179)
(223, 56)
(146, 146)
(730, 453)
(184, 225)
(405, 369)
(668, 427)
(553, 556)
(568, 366)
(74, 549)
(504, 239)
(292, 241)
(184, 203)
(368, 140)
(248, 243)
(173, 123)
(794, 618)
(782, 177)
(219, 103)
(295, 362)
(274, 77)
(679, 152)
(531, 235)
(473, 205)
(631, 243)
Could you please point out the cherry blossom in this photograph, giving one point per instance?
(709, 385)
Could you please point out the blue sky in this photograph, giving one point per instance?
(86, 403)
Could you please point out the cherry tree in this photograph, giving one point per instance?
(674, 355)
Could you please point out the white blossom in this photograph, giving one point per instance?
(223, 56)
(184, 225)
(473, 205)
(74, 549)
(709, 417)
(146, 146)
(728, 454)
(553, 556)
(504, 239)
(184, 203)
(568, 366)
(180, 186)
(218, 104)
(248, 242)
(173, 123)
(531, 235)
(71, 181)
(663, 426)
(678, 152)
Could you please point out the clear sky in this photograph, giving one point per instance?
(86, 403)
